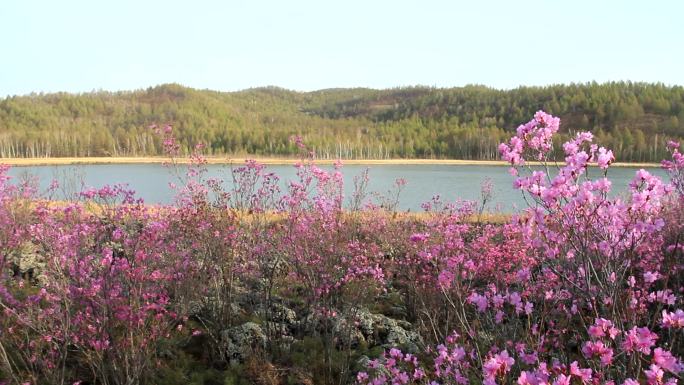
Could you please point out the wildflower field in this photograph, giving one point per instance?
(258, 284)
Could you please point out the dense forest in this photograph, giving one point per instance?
(634, 119)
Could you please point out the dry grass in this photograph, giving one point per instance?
(272, 217)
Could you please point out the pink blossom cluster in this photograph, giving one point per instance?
(534, 137)
(675, 166)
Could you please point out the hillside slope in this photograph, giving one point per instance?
(635, 119)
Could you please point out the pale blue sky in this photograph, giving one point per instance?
(84, 45)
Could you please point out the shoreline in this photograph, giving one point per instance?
(28, 162)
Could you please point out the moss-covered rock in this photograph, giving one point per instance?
(241, 342)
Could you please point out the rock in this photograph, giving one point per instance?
(349, 334)
(405, 324)
(195, 308)
(395, 335)
(377, 330)
(387, 332)
(283, 314)
(365, 322)
(241, 342)
(27, 263)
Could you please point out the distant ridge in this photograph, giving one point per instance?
(634, 119)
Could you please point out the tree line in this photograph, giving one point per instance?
(634, 119)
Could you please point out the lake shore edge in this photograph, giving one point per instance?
(27, 162)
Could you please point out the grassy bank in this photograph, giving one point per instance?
(271, 161)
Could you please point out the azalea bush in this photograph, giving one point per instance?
(596, 294)
(104, 299)
(582, 286)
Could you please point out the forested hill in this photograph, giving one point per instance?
(634, 119)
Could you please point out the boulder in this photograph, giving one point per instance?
(392, 333)
(28, 263)
(349, 333)
(283, 314)
(241, 342)
(377, 330)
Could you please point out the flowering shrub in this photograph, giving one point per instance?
(581, 287)
(675, 167)
(105, 297)
(595, 282)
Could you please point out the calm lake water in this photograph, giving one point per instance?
(151, 181)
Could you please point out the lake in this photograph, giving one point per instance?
(451, 182)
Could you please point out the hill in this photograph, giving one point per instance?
(634, 119)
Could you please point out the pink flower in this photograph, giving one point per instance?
(605, 158)
(601, 328)
(527, 378)
(640, 340)
(598, 349)
(419, 237)
(515, 300)
(583, 374)
(654, 375)
(673, 319)
(667, 361)
(650, 277)
(562, 379)
(498, 364)
(528, 308)
(479, 300)
(445, 278)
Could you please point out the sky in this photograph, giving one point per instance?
(86, 45)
